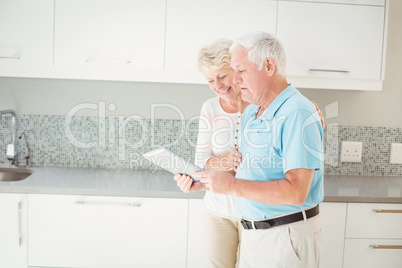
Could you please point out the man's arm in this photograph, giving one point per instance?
(292, 190)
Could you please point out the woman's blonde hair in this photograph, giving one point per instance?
(214, 56)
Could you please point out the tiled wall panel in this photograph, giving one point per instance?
(114, 142)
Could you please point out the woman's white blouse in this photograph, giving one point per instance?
(217, 135)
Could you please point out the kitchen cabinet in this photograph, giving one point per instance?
(324, 51)
(373, 236)
(26, 39)
(90, 231)
(13, 231)
(197, 245)
(102, 36)
(333, 217)
(159, 40)
(191, 24)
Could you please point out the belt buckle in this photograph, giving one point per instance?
(244, 223)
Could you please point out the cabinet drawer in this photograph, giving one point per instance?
(349, 2)
(90, 231)
(374, 221)
(364, 253)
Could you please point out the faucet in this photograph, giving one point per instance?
(27, 164)
(11, 148)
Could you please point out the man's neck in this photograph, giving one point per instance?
(277, 87)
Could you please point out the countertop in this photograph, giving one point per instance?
(160, 184)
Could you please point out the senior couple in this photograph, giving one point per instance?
(261, 145)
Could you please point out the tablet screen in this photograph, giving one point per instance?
(172, 162)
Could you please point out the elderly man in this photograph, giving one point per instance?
(279, 182)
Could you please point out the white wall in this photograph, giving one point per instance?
(356, 108)
(57, 97)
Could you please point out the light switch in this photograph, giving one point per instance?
(396, 153)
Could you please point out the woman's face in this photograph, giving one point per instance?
(221, 82)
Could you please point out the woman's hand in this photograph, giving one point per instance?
(226, 162)
(187, 184)
(320, 114)
(237, 157)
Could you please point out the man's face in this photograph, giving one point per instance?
(253, 83)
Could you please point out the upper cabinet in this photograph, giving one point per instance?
(118, 34)
(26, 34)
(191, 24)
(342, 42)
(330, 44)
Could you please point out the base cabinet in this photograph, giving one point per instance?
(197, 244)
(373, 236)
(38, 230)
(333, 217)
(13, 231)
(79, 231)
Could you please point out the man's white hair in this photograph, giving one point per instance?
(261, 45)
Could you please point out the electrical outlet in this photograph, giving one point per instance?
(351, 151)
(396, 153)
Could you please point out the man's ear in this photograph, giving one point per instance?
(270, 66)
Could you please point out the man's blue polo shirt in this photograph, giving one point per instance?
(288, 135)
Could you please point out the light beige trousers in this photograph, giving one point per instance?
(223, 239)
(295, 245)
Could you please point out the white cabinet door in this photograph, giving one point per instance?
(13, 231)
(333, 216)
(26, 34)
(332, 40)
(192, 24)
(367, 220)
(197, 245)
(71, 231)
(106, 34)
(373, 253)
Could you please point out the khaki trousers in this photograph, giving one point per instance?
(295, 245)
(223, 239)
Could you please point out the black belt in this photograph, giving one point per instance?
(266, 224)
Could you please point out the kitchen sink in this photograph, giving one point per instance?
(14, 173)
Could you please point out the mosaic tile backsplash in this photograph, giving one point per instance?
(116, 142)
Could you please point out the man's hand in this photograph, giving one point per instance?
(219, 182)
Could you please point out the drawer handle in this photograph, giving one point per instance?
(19, 209)
(328, 70)
(134, 205)
(386, 247)
(10, 58)
(387, 210)
(109, 61)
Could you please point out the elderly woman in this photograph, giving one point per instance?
(218, 136)
(218, 139)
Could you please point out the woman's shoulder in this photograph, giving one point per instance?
(212, 101)
(212, 104)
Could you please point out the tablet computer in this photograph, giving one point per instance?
(172, 162)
